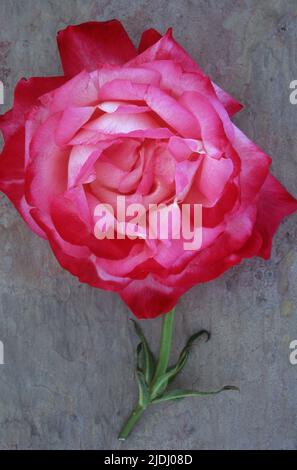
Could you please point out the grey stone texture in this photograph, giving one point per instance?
(68, 379)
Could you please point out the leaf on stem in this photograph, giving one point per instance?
(181, 393)
(143, 391)
(147, 359)
(184, 355)
(164, 380)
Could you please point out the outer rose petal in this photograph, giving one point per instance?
(26, 95)
(46, 175)
(81, 90)
(12, 161)
(143, 75)
(148, 298)
(12, 177)
(78, 260)
(168, 48)
(219, 256)
(89, 45)
(74, 230)
(12, 167)
(231, 105)
(274, 204)
(148, 39)
(254, 166)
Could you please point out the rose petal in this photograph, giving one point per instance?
(78, 260)
(88, 45)
(148, 38)
(26, 95)
(122, 108)
(254, 166)
(184, 175)
(71, 121)
(212, 177)
(173, 112)
(182, 149)
(81, 90)
(78, 157)
(168, 48)
(142, 75)
(48, 166)
(274, 204)
(122, 123)
(148, 298)
(212, 131)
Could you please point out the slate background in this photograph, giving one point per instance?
(68, 382)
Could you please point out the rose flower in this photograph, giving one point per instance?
(146, 124)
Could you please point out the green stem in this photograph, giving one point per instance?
(131, 421)
(165, 345)
(153, 380)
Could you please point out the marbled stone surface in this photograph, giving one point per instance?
(68, 381)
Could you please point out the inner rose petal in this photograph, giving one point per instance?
(117, 123)
(212, 177)
(78, 156)
(71, 121)
(121, 107)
